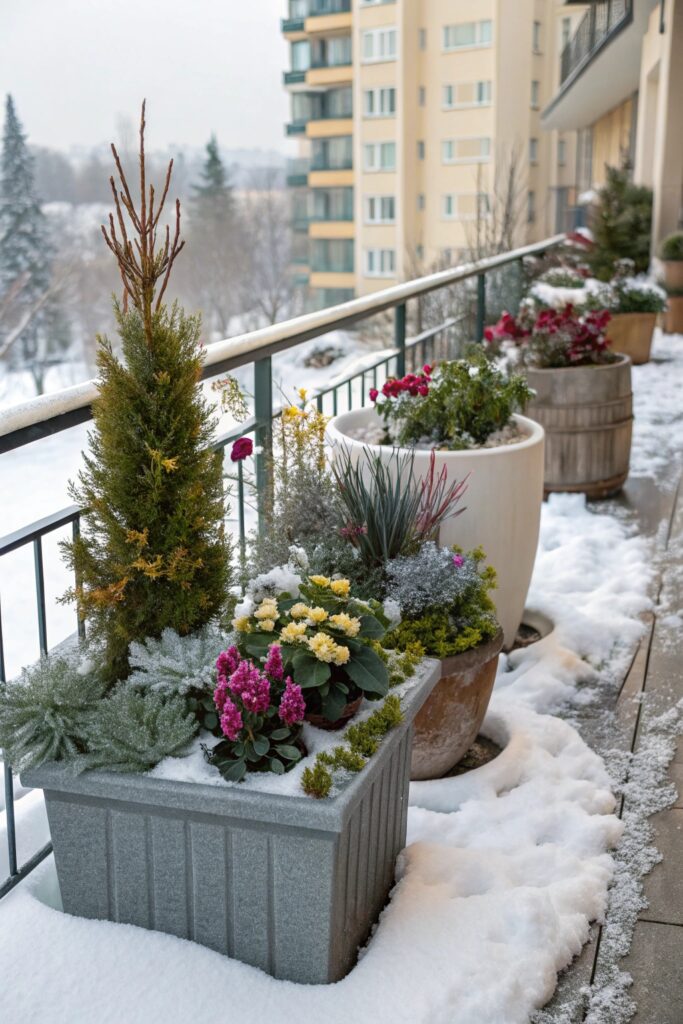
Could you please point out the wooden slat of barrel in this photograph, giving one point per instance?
(631, 334)
(587, 413)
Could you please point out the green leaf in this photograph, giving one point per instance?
(371, 628)
(261, 745)
(211, 720)
(334, 704)
(233, 772)
(279, 734)
(308, 671)
(251, 752)
(257, 644)
(288, 752)
(276, 766)
(368, 672)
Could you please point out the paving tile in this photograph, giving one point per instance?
(654, 963)
(664, 884)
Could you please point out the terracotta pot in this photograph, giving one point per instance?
(587, 415)
(503, 501)
(673, 318)
(448, 722)
(320, 722)
(673, 274)
(631, 335)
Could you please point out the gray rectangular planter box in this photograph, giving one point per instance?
(289, 884)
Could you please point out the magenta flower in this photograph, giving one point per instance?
(227, 662)
(241, 449)
(231, 720)
(292, 706)
(373, 392)
(248, 685)
(458, 560)
(273, 666)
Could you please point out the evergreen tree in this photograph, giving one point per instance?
(25, 258)
(153, 554)
(621, 225)
(212, 195)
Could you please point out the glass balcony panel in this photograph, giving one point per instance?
(332, 255)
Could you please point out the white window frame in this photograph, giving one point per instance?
(479, 34)
(455, 104)
(374, 209)
(483, 158)
(450, 206)
(374, 165)
(377, 96)
(379, 262)
(381, 52)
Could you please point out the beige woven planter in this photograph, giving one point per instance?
(673, 275)
(586, 412)
(631, 334)
(448, 722)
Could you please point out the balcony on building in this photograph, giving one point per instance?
(322, 112)
(334, 154)
(331, 256)
(296, 17)
(297, 172)
(600, 64)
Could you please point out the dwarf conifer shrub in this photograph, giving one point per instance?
(621, 224)
(671, 248)
(153, 553)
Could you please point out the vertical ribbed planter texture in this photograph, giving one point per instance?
(587, 415)
(631, 334)
(289, 884)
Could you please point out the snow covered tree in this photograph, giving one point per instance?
(153, 554)
(32, 331)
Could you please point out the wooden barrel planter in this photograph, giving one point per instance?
(447, 724)
(587, 415)
(631, 335)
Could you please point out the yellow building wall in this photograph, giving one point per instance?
(611, 140)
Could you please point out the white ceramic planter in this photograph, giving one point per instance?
(503, 502)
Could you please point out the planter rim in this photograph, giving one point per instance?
(329, 814)
(592, 367)
(534, 434)
(474, 655)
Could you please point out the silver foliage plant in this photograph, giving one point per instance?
(44, 713)
(132, 732)
(174, 664)
(435, 577)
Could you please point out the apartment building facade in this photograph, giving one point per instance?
(417, 121)
(620, 90)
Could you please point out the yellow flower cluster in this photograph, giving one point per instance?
(292, 632)
(242, 624)
(346, 623)
(267, 613)
(340, 588)
(298, 610)
(325, 649)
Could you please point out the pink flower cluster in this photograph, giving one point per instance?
(582, 337)
(413, 384)
(242, 687)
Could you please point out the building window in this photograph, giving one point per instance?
(378, 44)
(561, 153)
(421, 95)
(420, 149)
(421, 201)
(375, 3)
(419, 253)
(465, 151)
(333, 52)
(531, 207)
(300, 55)
(566, 31)
(380, 210)
(533, 151)
(536, 37)
(535, 94)
(379, 102)
(466, 94)
(379, 156)
(467, 34)
(465, 206)
(422, 38)
(380, 262)
(333, 154)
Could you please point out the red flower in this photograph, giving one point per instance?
(241, 449)
(373, 394)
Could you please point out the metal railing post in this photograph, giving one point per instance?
(263, 412)
(400, 339)
(481, 306)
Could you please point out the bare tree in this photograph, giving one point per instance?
(267, 292)
(500, 217)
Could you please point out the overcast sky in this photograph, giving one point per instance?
(75, 67)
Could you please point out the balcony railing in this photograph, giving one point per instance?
(602, 20)
(317, 7)
(294, 77)
(45, 416)
(293, 24)
(297, 172)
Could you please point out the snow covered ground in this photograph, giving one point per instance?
(505, 866)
